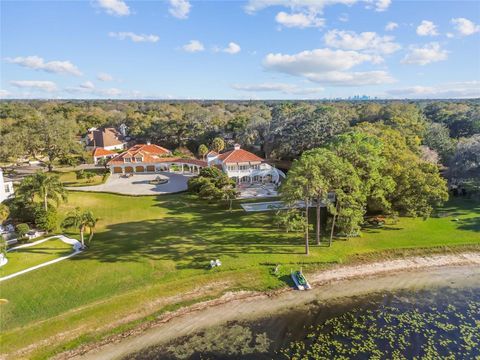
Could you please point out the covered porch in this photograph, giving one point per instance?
(173, 167)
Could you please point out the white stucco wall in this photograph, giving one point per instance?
(6, 188)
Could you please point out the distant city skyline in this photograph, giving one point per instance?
(240, 50)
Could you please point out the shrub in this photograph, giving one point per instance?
(21, 210)
(80, 174)
(46, 220)
(22, 230)
(196, 183)
(69, 160)
(183, 152)
(89, 175)
(210, 172)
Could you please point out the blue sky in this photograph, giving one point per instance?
(254, 49)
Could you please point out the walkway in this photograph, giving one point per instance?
(76, 247)
(139, 184)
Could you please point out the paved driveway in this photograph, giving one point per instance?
(138, 184)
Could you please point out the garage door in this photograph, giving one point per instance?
(139, 169)
(117, 170)
(151, 168)
(129, 169)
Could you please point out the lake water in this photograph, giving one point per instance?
(440, 321)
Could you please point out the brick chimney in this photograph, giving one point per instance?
(236, 146)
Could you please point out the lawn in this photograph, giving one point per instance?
(149, 249)
(34, 255)
(69, 177)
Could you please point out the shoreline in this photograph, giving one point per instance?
(361, 279)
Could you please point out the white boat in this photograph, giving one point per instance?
(300, 281)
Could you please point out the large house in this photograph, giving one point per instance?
(149, 158)
(6, 188)
(240, 165)
(105, 138)
(244, 166)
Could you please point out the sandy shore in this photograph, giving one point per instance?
(341, 281)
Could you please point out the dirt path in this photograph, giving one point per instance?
(338, 282)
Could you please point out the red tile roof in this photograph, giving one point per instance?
(157, 160)
(152, 154)
(150, 148)
(238, 156)
(102, 152)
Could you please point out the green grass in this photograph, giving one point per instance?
(69, 177)
(34, 255)
(147, 250)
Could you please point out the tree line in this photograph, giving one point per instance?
(371, 169)
(444, 131)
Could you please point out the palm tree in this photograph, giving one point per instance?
(202, 151)
(82, 220)
(218, 144)
(229, 193)
(47, 187)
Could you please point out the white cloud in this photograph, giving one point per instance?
(427, 28)
(299, 20)
(89, 88)
(179, 8)
(344, 17)
(355, 78)
(134, 37)
(431, 52)
(232, 48)
(87, 85)
(367, 41)
(304, 13)
(37, 63)
(104, 77)
(193, 46)
(327, 66)
(48, 86)
(465, 27)
(391, 26)
(380, 5)
(4, 93)
(317, 60)
(114, 7)
(277, 87)
(313, 5)
(466, 89)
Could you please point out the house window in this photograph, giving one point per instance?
(138, 159)
(7, 188)
(127, 160)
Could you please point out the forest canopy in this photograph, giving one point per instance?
(50, 130)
